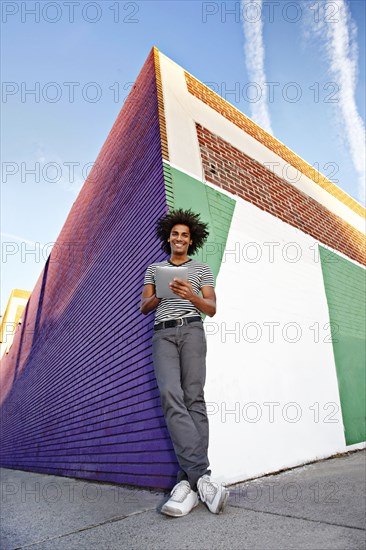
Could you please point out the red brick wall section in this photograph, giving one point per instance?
(236, 172)
(213, 100)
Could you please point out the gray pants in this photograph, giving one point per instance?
(179, 355)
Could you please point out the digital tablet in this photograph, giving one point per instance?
(165, 275)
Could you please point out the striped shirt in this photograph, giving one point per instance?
(199, 275)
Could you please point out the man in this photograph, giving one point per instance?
(179, 355)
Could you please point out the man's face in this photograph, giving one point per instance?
(180, 239)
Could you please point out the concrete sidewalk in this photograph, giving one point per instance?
(318, 506)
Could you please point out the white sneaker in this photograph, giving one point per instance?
(214, 495)
(182, 500)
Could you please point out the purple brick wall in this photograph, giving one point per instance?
(79, 396)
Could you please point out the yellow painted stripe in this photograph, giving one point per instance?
(162, 122)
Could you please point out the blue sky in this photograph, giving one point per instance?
(296, 68)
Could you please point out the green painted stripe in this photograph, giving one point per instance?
(214, 207)
(345, 291)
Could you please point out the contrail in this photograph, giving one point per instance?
(340, 34)
(254, 61)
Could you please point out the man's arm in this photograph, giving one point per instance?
(206, 304)
(149, 301)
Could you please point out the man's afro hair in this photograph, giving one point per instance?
(198, 229)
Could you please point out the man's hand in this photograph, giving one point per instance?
(183, 289)
(206, 304)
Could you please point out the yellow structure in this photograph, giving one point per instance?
(12, 317)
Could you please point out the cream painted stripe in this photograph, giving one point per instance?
(183, 110)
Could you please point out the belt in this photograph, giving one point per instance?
(178, 322)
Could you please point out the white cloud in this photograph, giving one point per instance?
(51, 167)
(5, 237)
(339, 33)
(254, 59)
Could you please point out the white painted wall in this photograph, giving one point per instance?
(286, 377)
(241, 371)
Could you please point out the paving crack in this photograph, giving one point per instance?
(86, 528)
(299, 517)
